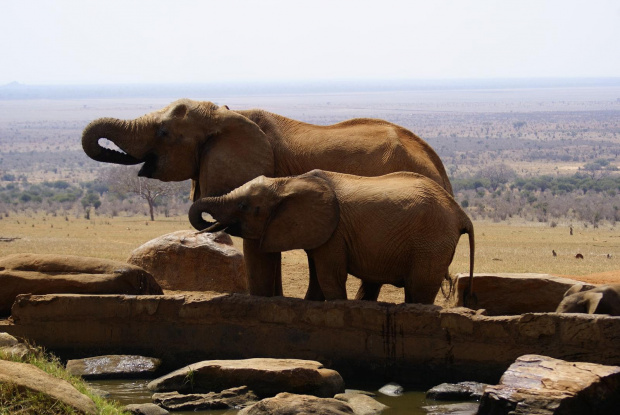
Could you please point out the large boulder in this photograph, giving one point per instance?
(12, 347)
(537, 384)
(288, 404)
(191, 261)
(265, 377)
(511, 294)
(114, 367)
(57, 274)
(29, 377)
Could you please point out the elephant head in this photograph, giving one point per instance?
(216, 147)
(299, 212)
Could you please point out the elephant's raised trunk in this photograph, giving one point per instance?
(114, 130)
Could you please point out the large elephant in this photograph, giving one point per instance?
(604, 299)
(220, 149)
(400, 228)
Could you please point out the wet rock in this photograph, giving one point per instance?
(288, 404)
(266, 377)
(114, 367)
(145, 409)
(30, 377)
(536, 384)
(54, 274)
(466, 408)
(229, 398)
(461, 391)
(511, 293)
(392, 389)
(191, 261)
(361, 403)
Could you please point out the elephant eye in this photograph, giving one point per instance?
(162, 132)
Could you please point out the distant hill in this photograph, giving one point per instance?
(16, 90)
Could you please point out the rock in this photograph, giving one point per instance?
(227, 399)
(114, 367)
(30, 377)
(510, 294)
(392, 389)
(536, 384)
(289, 404)
(191, 261)
(53, 274)
(10, 346)
(466, 408)
(361, 403)
(266, 377)
(461, 391)
(145, 409)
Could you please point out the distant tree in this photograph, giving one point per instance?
(497, 174)
(89, 200)
(125, 179)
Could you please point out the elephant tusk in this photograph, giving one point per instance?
(215, 227)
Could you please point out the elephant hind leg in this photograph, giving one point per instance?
(424, 282)
(368, 291)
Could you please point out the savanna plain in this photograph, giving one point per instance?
(509, 152)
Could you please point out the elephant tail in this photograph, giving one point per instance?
(470, 299)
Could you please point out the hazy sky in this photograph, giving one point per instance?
(126, 41)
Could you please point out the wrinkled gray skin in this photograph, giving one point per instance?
(220, 149)
(604, 299)
(400, 228)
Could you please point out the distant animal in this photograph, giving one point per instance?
(400, 228)
(604, 299)
(579, 256)
(608, 256)
(553, 252)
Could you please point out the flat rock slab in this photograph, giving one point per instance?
(30, 377)
(462, 391)
(145, 409)
(114, 367)
(56, 274)
(537, 384)
(513, 293)
(192, 261)
(466, 408)
(266, 377)
(227, 399)
(362, 404)
(287, 404)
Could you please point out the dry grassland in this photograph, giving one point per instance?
(516, 247)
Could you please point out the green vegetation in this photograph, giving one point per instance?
(14, 400)
(584, 197)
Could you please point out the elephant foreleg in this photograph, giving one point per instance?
(368, 291)
(314, 292)
(264, 270)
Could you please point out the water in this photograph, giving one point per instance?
(135, 391)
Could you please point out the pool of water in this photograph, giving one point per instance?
(135, 391)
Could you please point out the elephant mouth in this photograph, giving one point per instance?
(149, 167)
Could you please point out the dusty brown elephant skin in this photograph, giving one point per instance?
(604, 299)
(220, 149)
(400, 228)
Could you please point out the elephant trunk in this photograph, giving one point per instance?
(120, 132)
(205, 205)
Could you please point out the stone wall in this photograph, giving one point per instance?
(409, 343)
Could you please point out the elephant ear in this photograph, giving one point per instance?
(305, 218)
(237, 152)
(594, 300)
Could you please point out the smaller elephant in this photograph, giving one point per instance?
(400, 228)
(604, 299)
